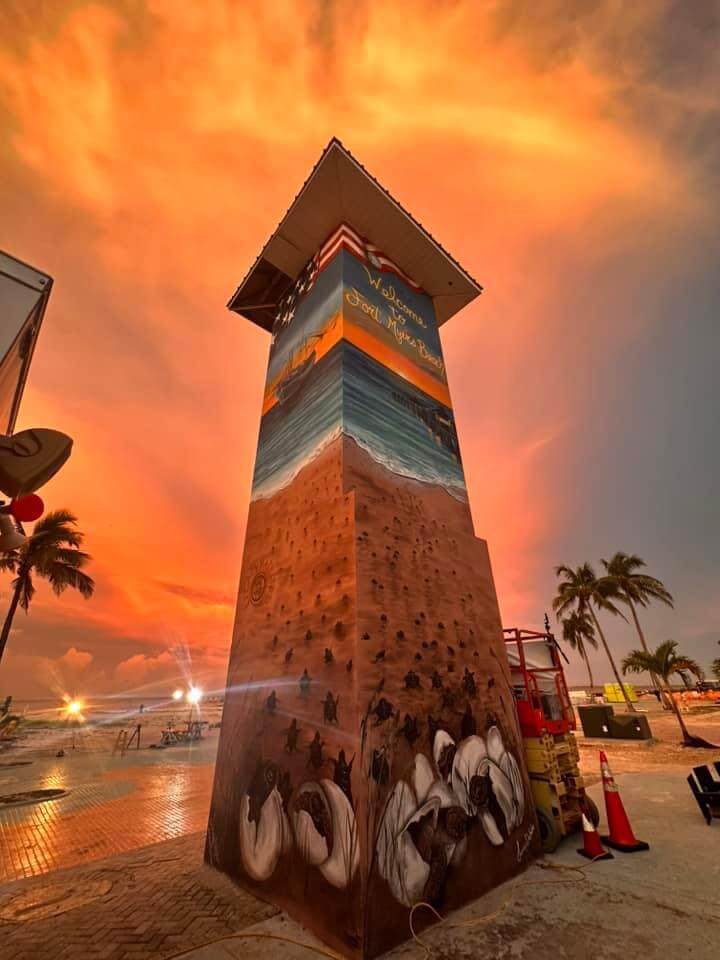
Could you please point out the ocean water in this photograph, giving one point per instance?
(391, 433)
(293, 432)
(102, 708)
(347, 391)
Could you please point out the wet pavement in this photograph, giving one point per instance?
(160, 902)
(113, 804)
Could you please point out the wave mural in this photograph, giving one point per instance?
(358, 354)
(346, 391)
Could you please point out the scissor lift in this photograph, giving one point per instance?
(546, 721)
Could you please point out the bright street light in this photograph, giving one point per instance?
(194, 695)
(177, 695)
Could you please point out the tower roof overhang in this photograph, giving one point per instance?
(340, 190)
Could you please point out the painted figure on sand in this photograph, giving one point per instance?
(388, 769)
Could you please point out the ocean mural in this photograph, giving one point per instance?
(357, 353)
(396, 423)
(370, 757)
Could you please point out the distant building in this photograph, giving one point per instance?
(24, 293)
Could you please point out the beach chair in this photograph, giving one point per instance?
(709, 803)
(707, 781)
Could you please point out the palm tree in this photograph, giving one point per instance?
(715, 668)
(636, 589)
(53, 552)
(578, 632)
(583, 591)
(664, 663)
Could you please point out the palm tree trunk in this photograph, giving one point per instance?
(589, 670)
(9, 620)
(685, 732)
(629, 705)
(653, 676)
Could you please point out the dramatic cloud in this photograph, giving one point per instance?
(212, 598)
(566, 152)
(76, 659)
(134, 671)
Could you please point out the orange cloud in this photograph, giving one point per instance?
(150, 150)
(75, 659)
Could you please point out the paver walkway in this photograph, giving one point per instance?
(160, 903)
(152, 903)
(113, 805)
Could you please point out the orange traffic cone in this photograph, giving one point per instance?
(621, 835)
(592, 848)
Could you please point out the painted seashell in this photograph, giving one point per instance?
(446, 798)
(311, 843)
(509, 766)
(443, 753)
(399, 861)
(470, 758)
(326, 831)
(262, 841)
(423, 777)
(471, 766)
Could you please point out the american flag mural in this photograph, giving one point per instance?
(343, 238)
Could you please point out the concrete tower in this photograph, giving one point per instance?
(369, 757)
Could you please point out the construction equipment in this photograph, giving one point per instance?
(547, 722)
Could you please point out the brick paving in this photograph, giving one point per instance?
(112, 806)
(155, 902)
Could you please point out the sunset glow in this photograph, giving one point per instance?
(149, 150)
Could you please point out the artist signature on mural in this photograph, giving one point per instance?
(522, 848)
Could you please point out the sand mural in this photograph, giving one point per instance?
(370, 757)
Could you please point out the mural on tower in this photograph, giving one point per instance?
(370, 757)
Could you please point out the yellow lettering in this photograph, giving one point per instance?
(374, 281)
(394, 321)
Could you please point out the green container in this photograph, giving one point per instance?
(628, 726)
(597, 720)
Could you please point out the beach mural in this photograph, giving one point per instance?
(356, 350)
(370, 757)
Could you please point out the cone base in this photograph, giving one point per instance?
(605, 855)
(626, 847)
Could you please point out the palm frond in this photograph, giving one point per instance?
(632, 585)
(56, 528)
(27, 590)
(665, 654)
(623, 563)
(9, 561)
(52, 551)
(574, 590)
(53, 519)
(663, 661)
(681, 664)
(73, 558)
(578, 631)
(637, 661)
(651, 587)
(604, 593)
(63, 575)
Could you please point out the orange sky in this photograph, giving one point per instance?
(149, 148)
